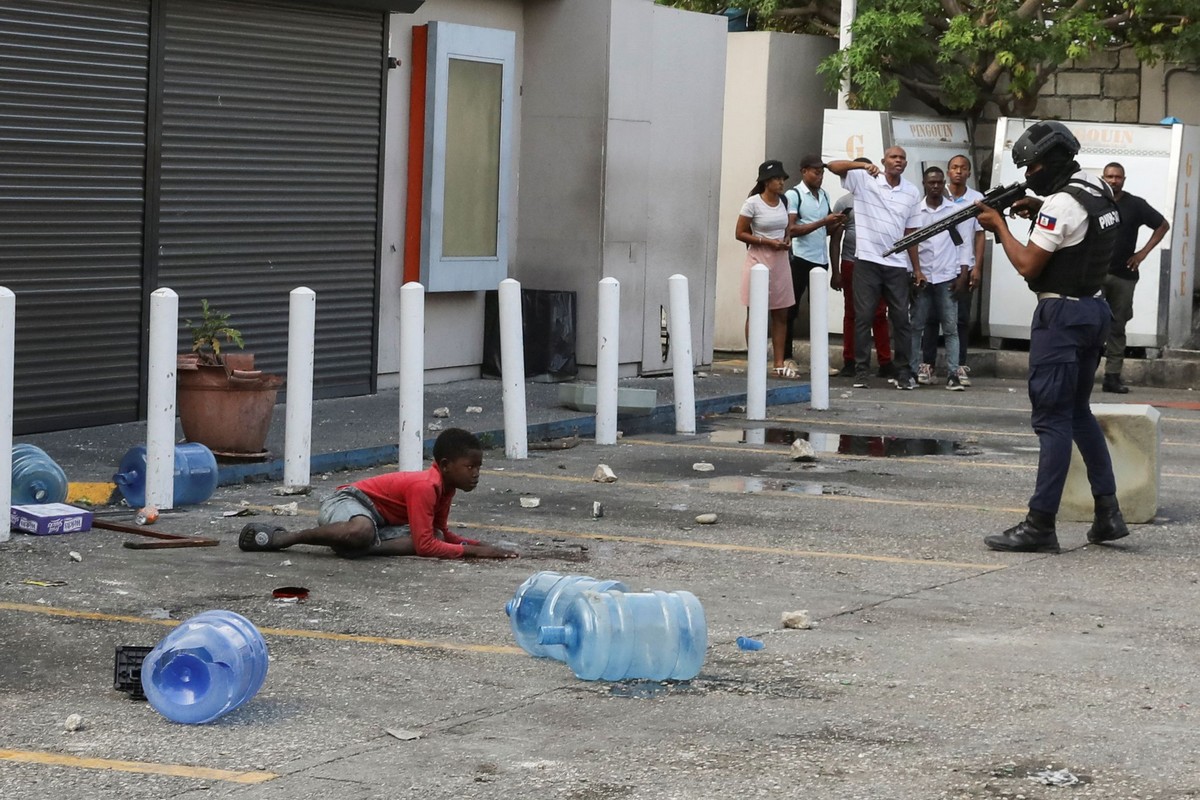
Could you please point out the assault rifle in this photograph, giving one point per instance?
(999, 198)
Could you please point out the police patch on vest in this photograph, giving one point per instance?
(1047, 222)
(1109, 220)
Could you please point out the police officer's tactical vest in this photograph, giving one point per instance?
(1079, 270)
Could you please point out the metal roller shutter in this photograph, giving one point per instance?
(269, 176)
(73, 99)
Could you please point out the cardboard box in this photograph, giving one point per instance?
(50, 518)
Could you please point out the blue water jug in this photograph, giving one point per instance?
(208, 666)
(612, 635)
(542, 600)
(195, 475)
(36, 478)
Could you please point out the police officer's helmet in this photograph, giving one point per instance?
(1040, 139)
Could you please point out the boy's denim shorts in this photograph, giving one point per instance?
(348, 503)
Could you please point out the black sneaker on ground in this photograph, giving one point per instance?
(1024, 537)
(848, 370)
(906, 382)
(861, 379)
(953, 384)
(1113, 383)
(887, 370)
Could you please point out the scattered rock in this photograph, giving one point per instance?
(73, 723)
(289, 491)
(597, 510)
(737, 409)
(474, 409)
(703, 466)
(75, 555)
(802, 450)
(604, 474)
(433, 427)
(403, 735)
(156, 613)
(441, 413)
(530, 502)
(286, 509)
(797, 619)
(706, 519)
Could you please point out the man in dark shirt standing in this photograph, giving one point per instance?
(1123, 272)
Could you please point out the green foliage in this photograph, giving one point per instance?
(208, 333)
(956, 56)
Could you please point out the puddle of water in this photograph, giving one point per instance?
(841, 443)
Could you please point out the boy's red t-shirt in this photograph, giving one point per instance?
(421, 501)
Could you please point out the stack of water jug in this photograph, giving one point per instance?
(603, 631)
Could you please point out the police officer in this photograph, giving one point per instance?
(1065, 261)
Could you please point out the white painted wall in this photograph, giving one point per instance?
(453, 320)
(774, 103)
(618, 142)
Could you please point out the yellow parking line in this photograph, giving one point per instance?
(295, 633)
(740, 548)
(143, 767)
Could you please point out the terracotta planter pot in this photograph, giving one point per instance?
(228, 411)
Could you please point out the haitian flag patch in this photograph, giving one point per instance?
(1046, 222)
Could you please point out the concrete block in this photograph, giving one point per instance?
(1122, 85)
(1093, 110)
(1128, 110)
(1134, 442)
(1086, 84)
(582, 397)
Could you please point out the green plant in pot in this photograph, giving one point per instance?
(223, 402)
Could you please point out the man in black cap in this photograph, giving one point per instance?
(1065, 262)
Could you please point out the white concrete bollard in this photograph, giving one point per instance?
(8, 330)
(512, 370)
(297, 438)
(1134, 442)
(681, 354)
(608, 332)
(412, 376)
(756, 344)
(160, 399)
(818, 338)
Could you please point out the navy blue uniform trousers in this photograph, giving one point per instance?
(1067, 338)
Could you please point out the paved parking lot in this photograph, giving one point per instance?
(936, 668)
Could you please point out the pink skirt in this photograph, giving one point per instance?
(780, 293)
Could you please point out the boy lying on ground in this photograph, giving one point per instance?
(397, 514)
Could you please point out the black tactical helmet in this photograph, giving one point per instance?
(1041, 138)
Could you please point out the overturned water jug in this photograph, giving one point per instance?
(541, 601)
(195, 475)
(615, 635)
(36, 477)
(208, 666)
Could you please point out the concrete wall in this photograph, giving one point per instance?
(618, 111)
(1106, 87)
(774, 104)
(1170, 90)
(454, 320)
(602, 149)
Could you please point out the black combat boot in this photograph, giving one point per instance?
(1109, 523)
(1034, 534)
(1113, 383)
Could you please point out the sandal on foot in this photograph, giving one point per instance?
(785, 372)
(257, 537)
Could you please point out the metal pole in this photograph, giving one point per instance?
(608, 332)
(512, 370)
(297, 439)
(412, 376)
(818, 337)
(681, 354)
(756, 344)
(845, 39)
(8, 330)
(160, 399)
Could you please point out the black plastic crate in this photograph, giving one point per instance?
(127, 670)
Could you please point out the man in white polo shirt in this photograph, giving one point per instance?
(937, 262)
(883, 201)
